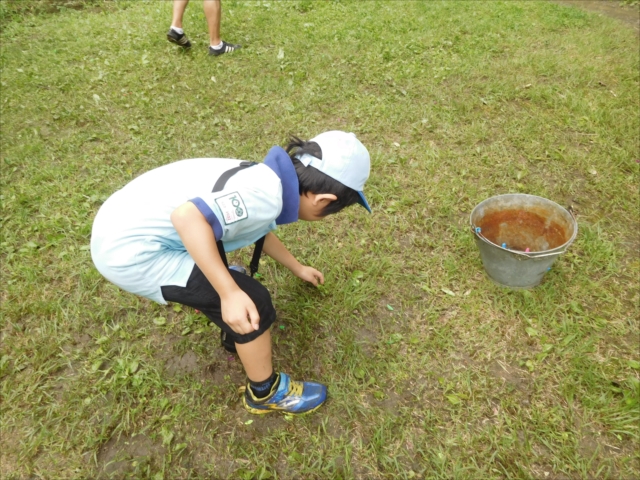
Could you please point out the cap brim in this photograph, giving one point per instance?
(363, 202)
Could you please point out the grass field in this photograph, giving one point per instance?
(433, 371)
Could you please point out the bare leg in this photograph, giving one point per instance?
(300, 397)
(179, 7)
(256, 356)
(213, 12)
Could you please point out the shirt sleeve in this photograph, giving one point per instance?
(237, 214)
(209, 215)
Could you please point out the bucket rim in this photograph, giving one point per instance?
(559, 250)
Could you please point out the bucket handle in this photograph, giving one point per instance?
(476, 231)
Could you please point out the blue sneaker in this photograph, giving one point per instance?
(289, 397)
(238, 268)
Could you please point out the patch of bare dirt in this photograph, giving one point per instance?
(265, 424)
(367, 339)
(225, 365)
(392, 402)
(9, 464)
(182, 364)
(121, 454)
(510, 375)
(627, 14)
(83, 340)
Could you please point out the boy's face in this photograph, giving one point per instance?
(312, 204)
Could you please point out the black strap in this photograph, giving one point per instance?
(255, 260)
(230, 173)
(257, 252)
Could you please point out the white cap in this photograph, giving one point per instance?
(344, 158)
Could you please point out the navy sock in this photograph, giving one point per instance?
(262, 389)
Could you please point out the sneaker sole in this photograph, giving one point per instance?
(256, 411)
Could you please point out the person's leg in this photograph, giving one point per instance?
(179, 7)
(213, 13)
(266, 391)
(256, 357)
(176, 33)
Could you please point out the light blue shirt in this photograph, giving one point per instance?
(135, 245)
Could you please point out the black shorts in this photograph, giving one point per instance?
(199, 294)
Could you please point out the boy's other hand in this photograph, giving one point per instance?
(239, 312)
(310, 274)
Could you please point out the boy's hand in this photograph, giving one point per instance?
(239, 312)
(310, 274)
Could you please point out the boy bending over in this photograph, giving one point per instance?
(164, 237)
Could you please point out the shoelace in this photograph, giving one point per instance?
(295, 388)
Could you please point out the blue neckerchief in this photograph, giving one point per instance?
(278, 161)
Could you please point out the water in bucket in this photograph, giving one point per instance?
(520, 236)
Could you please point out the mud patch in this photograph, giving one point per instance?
(182, 365)
(588, 445)
(510, 375)
(122, 455)
(367, 339)
(447, 315)
(82, 341)
(265, 424)
(243, 425)
(9, 464)
(78, 343)
(225, 369)
(216, 372)
(392, 402)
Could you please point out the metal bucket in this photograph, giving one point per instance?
(520, 236)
